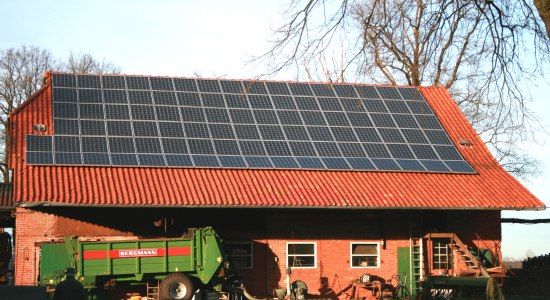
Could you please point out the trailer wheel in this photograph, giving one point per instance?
(176, 286)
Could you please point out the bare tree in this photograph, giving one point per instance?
(484, 52)
(21, 74)
(86, 63)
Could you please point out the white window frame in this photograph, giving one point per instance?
(251, 256)
(440, 249)
(314, 255)
(351, 255)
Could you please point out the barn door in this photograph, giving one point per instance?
(404, 267)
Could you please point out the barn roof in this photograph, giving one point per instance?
(486, 186)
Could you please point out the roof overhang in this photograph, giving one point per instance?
(31, 205)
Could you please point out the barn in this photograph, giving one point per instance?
(318, 182)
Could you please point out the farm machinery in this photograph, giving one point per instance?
(171, 268)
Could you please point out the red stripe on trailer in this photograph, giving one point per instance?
(179, 251)
(95, 254)
(131, 253)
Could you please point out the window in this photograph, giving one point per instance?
(240, 254)
(364, 255)
(301, 255)
(441, 254)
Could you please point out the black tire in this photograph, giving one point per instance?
(176, 286)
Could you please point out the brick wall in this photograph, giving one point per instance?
(31, 228)
(333, 235)
(270, 230)
(333, 273)
(35, 227)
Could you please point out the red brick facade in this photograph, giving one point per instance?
(31, 229)
(34, 228)
(331, 231)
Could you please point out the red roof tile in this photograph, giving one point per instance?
(6, 199)
(491, 188)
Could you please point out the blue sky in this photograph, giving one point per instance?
(213, 39)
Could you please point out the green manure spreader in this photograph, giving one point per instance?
(171, 268)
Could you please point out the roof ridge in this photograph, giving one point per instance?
(49, 73)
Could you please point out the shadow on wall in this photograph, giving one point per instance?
(148, 222)
(327, 291)
(260, 277)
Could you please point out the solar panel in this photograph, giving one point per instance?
(283, 102)
(260, 162)
(260, 101)
(368, 135)
(296, 133)
(161, 84)
(151, 160)
(252, 148)
(178, 160)
(289, 117)
(137, 83)
(388, 92)
(168, 113)
(65, 95)
(96, 159)
(320, 133)
(209, 123)
(63, 143)
(232, 161)
(352, 105)
(184, 84)
(68, 126)
(145, 128)
(221, 131)
(113, 82)
(39, 143)
(114, 96)
(124, 159)
(212, 100)
(67, 158)
(265, 116)
(410, 164)
(65, 110)
(284, 163)
(302, 149)
(91, 111)
(329, 104)
(94, 144)
(386, 164)
(247, 132)
(313, 118)
(343, 134)
(205, 161)
(335, 163)
(310, 163)
(361, 163)
(119, 128)
(121, 145)
(192, 114)
(200, 146)
(89, 96)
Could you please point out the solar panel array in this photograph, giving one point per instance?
(110, 120)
